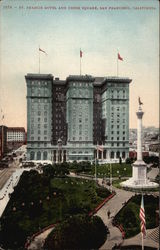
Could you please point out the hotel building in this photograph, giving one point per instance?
(67, 119)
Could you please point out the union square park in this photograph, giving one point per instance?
(80, 206)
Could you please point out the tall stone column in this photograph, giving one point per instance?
(139, 134)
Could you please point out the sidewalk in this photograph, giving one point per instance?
(37, 243)
(137, 240)
(114, 205)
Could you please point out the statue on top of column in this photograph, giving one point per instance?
(139, 101)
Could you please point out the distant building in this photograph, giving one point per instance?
(16, 137)
(67, 119)
(3, 140)
(133, 154)
(154, 147)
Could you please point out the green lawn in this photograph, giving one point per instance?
(128, 216)
(39, 201)
(122, 170)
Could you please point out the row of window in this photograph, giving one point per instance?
(112, 132)
(40, 156)
(81, 84)
(38, 138)
(112, 138)
(118, 144)
(117, 154)
(40, 82)
(39, 132)
(118, 108)
(80, 138)
(118, 114)
(117, 121)
(113, 126)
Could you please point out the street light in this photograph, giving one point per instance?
(111, 176)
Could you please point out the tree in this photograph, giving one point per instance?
(87, 233)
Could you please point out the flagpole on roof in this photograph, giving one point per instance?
(117, 63)
(39, 58)
(80, 61)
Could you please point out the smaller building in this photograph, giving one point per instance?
(3, 141)
(133, 154)
(16, 137)
(154, 147)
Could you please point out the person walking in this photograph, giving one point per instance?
(108, 213)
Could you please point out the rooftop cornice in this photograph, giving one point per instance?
(83, 78)
(116, 79)
(39, 76)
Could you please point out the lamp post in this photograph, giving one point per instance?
(96, 161)
(111, 176)
(59, 149)
(124, 170)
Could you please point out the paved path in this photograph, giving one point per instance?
(114, 205)
(153, 173)
(37, 243)
(137, 240)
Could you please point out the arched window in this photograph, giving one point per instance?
(117, 154)
(112, 155)
(38, 155)
(123, 155)
(45, 155)
(32, 154)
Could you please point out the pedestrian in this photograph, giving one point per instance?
(108, 213)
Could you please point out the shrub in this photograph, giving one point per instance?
(77, 232)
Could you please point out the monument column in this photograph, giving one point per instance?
(139, 133)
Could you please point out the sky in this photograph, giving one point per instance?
(61, 28)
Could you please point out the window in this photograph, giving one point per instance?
(45, 132)
(39, 119)
(112, 132)
(117, 154)
(117, 132)
(112, 155)
(117, 126)
(123, 138)
(112, 138)
(39, 125)
(39, 132)
(112, 126)
(38, 155)
(39, 112)
(123, 132)
(117, 138)
(118, 144)
(45, 119)
(32, 154)
(44, 155)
